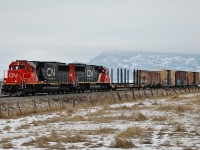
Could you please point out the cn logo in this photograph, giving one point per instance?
(13, 75)
(90, 73)
(51, 72)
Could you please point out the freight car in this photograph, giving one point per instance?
(30, 77)
(150, 79)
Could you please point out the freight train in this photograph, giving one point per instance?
(31, 77)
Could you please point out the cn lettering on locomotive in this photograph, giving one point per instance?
(90, 73)
(13, 75)
(51, 72)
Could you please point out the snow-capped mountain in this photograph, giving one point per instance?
(148, 60)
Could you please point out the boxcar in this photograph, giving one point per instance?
(149, 78)
(181, 78)
(167, 77)
(192, 78)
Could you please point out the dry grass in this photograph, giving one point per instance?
(166, 143)
(180, 128)
(178, 108)
(23, 126)
(5, 142)
(7, 145)
(122, 143)
(159, 118)
(183, 108)
(101, 131)
(7, 128)
(174, 97)
(138, 116)
(135, 132)
(44, 141)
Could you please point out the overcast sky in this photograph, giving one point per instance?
(77, 30)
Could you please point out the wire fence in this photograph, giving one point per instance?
(12, 108)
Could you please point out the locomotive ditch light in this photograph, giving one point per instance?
(15, 81)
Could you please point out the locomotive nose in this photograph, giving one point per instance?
(14, 77)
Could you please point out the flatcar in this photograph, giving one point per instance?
(30, 77)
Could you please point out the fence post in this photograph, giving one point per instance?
(73, 102)
(0, 110)
(139, 94)
(35, 107)
(189, 89)
(107, 98)
(49, 104)
(119, 96)
(91, 100)
(133, 94)
(8, 109)
(18, 106)
(113, 97)
(126, 95)
(145, 93)
(152, 93)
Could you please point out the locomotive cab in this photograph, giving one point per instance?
(20, 73)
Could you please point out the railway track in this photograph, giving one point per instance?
(58, 95)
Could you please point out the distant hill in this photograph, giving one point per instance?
(148, 60)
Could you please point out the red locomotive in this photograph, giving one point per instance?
(30, 77)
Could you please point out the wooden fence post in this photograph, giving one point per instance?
(0, 109)
(8, 109)
(119, 96)
(152, 93)
(133, 94)
(91, 100)
(166, 92)
(18, 106)
(49, 104)
(145, 93)
(107, 98)
(35, 107)
(73, 102)
(189, 89)
(126, 95)
(139, 94)
(99, 97)
(113, 97)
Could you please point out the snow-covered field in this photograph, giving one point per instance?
(168, 123)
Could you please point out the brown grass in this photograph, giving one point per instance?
(122, 143)
(138, 116)
(44, 141)
(180, 128)
(7, 145)
(183, 108)
(23, 126)
(101, 131)
(135, 132)
(159, 118)
(7, 128)
(75, 139)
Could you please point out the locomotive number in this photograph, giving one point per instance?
(13, 75)
(90, 73)
(51, 72)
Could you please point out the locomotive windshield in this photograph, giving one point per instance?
(17, 67)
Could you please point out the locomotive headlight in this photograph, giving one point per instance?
(15, 81)
(4, 81)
